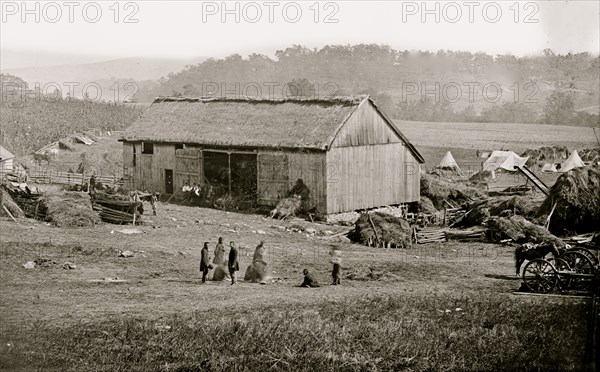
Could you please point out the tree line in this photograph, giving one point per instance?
(530, 86)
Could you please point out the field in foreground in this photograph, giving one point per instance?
(437, 307)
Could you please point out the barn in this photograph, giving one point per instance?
(347, 152)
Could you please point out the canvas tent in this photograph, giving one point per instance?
(572, 162)
(549, 168)
(6, 160)
(448, 163)
(506, 160)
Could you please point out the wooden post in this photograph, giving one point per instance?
(134, 207)
(8, 213)
(229, 170)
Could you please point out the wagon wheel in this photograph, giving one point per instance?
(540, 276)
(582, 269)
(586, 252)
(561, 265)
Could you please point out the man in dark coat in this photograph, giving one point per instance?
(233, 263)
(309, 280)
(204, 262)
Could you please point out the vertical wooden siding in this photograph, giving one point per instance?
(365, 127)
(369, 165)
(188, 168)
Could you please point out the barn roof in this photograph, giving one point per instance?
(294, 123)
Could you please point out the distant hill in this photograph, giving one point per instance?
(111, 75)
(125, 68)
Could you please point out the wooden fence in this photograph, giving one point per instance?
(67, 178)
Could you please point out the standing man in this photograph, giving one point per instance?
(259, 252)
(219, 253)
(233, 263)
(204, 264)
(153, 201)
(336, 260)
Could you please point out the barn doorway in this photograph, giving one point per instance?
(244, 178)
(168, 181)
(232, 173)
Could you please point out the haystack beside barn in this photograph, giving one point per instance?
(346, 151)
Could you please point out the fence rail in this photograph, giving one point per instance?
(67, 178)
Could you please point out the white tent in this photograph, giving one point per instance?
(549, 168)
(572, 162)
(507, 160)
(448, 162)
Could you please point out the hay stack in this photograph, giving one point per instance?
(521, 205)
(70, 209)
(438, 190)
(479, 212)
(220, 273)
(520, 230)
(287, 207)
(426, 205)
(11, 206)
(476, 215)
(577, 198)
(394, 231)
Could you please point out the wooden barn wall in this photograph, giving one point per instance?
(365, 127)
(133, 172)
(128, 166)
(369, 165)
(163, 158)
(188, 168)
(371, 176)
(310, 167)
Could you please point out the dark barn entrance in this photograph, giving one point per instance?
(232, 173)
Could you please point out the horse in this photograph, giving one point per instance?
(530, 252)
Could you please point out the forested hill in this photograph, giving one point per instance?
(442, 86)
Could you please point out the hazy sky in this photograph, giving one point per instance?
(107, 29)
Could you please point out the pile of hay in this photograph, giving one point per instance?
(11, 206)
(257, 272)
(577, 198)
(478, 213)
(390, 230)
(287, 207)
(438, 190)
(525, 206)
(592, 155)
(69, 209)
(425, 205)
(545, 154)
(475, 215)
(481, 177)
(520, 230)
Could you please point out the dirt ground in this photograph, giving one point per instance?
(162, 277)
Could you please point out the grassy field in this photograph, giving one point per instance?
(435, 307)
(496, 136)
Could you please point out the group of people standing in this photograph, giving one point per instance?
(233, 264)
